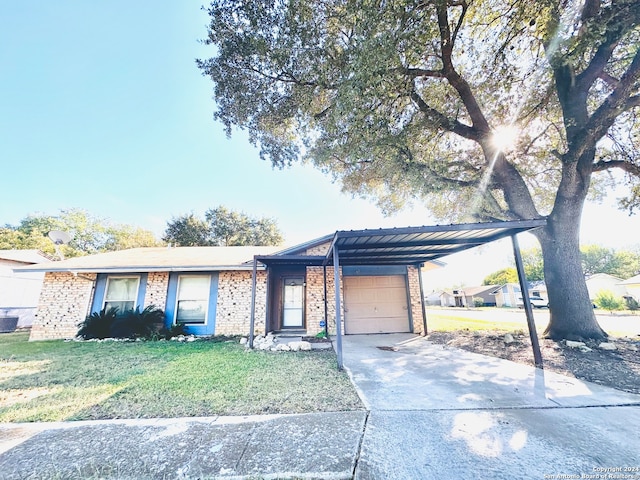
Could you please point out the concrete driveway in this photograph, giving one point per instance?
(440, 412)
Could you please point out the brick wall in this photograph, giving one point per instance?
(321, 249)
(233, 314)
(414, 294)
(157, 287)
(315, 300)
(64, 303)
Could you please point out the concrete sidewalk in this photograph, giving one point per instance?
(318, 446)
(438, 412)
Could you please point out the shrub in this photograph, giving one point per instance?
(98, 324)
(608, 301)
(148, 324)
(478, 302)
(174, 330)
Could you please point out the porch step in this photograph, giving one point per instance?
(287, 338)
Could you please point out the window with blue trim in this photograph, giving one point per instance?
(192, 299)
(121, 293)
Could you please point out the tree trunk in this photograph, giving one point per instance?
(571, 314)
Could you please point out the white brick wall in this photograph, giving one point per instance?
(414, 294)
(157, 287)
(64, 303)
(315, 300)
(233, 314)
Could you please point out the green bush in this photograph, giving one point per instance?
(478, 302)
(147, 324)
(608, 301)
(174, 330)
(98, 324)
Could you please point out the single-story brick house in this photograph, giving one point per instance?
(209, 289)
(244, 290)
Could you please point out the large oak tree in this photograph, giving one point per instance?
(404, 99)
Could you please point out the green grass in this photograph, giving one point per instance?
(448, 323)
(58, 380)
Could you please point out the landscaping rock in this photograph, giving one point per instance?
(607, 346)
(579, 345)
(508, 338)
(244, 340)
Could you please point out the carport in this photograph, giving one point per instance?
(409, 246)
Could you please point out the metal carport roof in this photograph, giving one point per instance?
(416, 245)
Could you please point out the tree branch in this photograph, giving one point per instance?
(453, 77)
(420, 72)
(618, 101)
(440, 120)
(623, 165)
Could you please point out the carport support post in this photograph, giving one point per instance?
(253, 301)
(524, 288)
(326, 306)
(424, 309)
(336, 281)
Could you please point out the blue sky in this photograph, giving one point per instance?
(103, 108)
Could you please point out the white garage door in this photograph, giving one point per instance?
(376, 304)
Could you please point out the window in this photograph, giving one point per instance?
(121, 293)
(192, 299)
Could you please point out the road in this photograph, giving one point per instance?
(616, 324)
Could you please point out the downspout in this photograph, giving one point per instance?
(424, 308)
(537, 355)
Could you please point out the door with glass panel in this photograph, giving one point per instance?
(293, 302)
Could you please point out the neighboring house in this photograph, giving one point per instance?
(538, 289)
(632, 287)
(603, 281)
(209, 290)
(508, 295)
(484, 292)
(464, 296)
(444, 298)
(19, 291)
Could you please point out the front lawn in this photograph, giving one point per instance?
(58, 380)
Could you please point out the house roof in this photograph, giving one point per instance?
(163, 259)
(24, 256)
(597, 276)
(392, 246)
(631, 281)
(471, 291)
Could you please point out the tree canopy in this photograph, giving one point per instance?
(405, 100)
(222, 227)
(501, 277)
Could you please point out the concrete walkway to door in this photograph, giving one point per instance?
(440, 412)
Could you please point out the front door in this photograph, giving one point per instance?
(293, 302)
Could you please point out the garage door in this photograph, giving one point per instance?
(376, 304)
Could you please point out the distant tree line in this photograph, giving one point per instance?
(222, 227)
(594, 258)
(90, 234)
